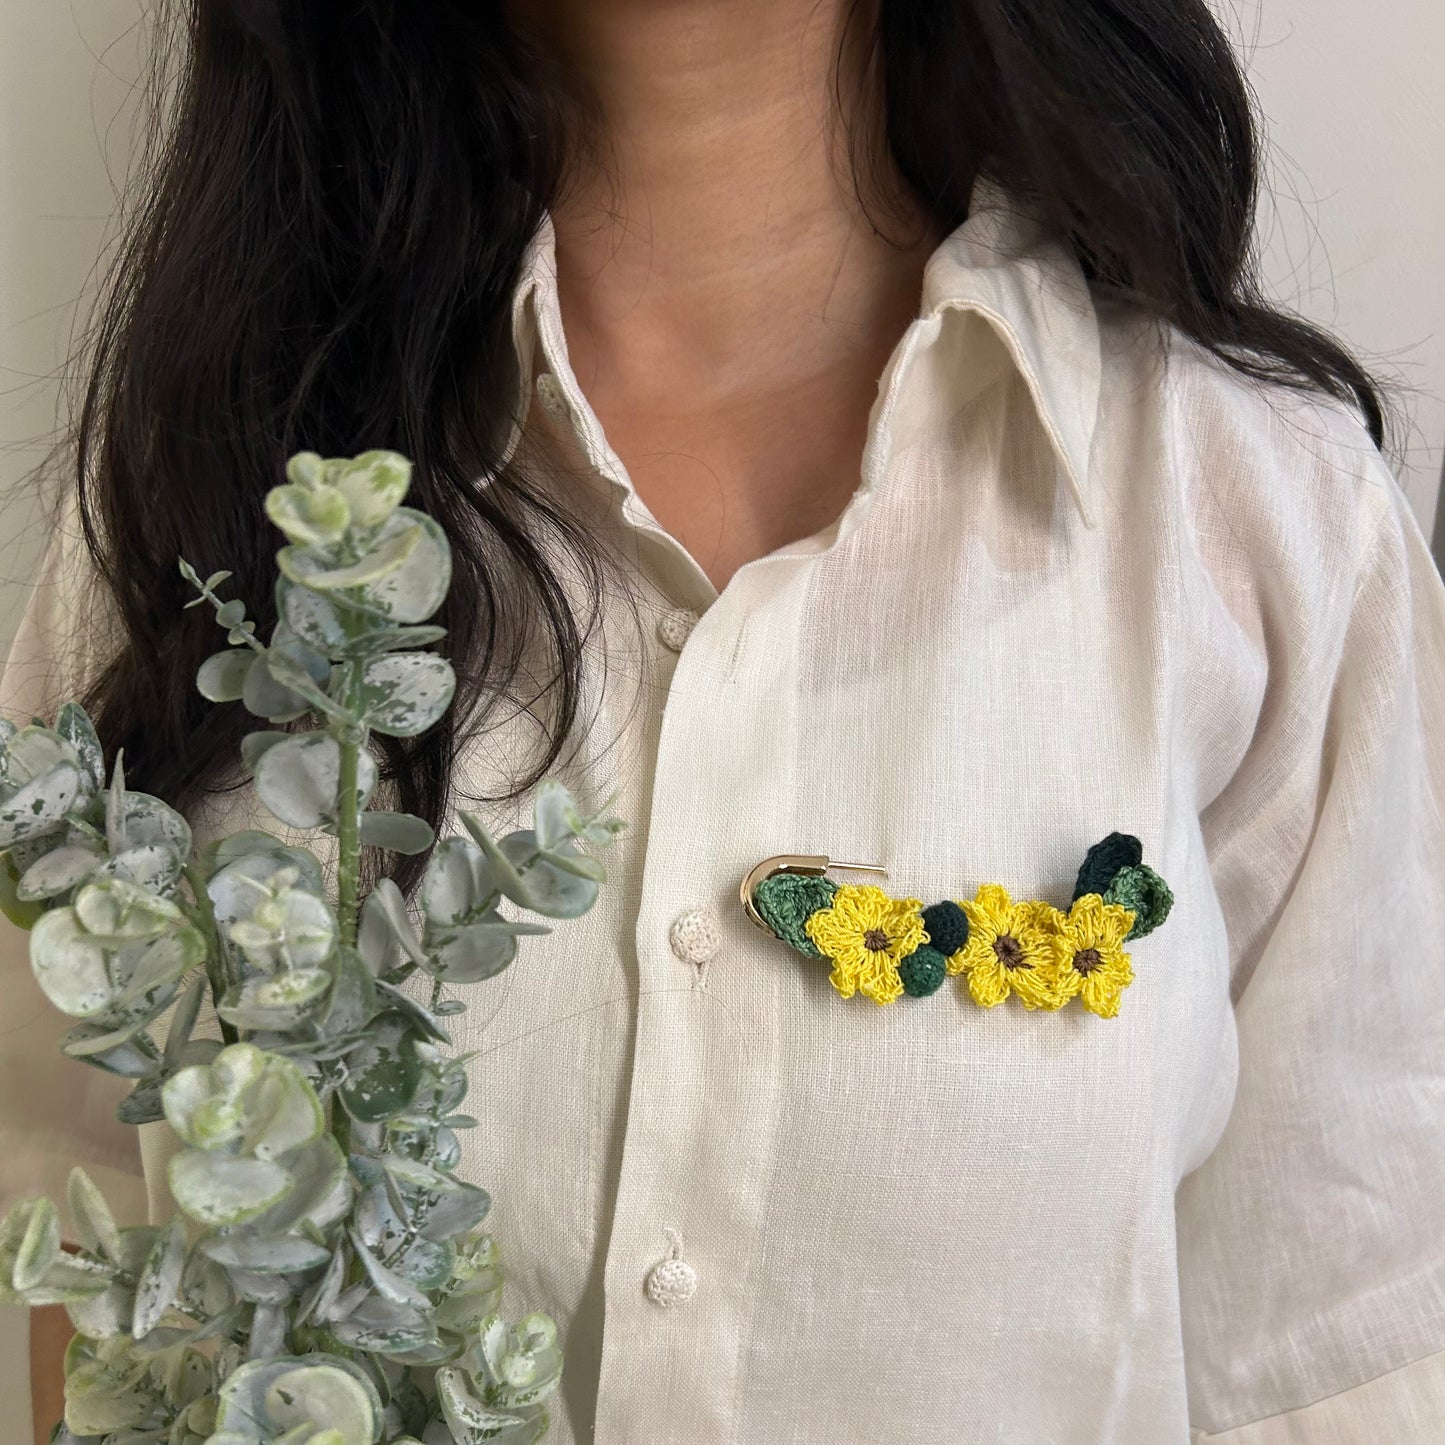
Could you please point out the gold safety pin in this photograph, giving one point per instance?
(811, 865)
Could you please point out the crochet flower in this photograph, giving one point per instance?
(865, 933)
(1008, 951)
(1088, 958)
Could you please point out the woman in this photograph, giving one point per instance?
(919, 479)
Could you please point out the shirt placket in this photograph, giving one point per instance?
(686, 1251)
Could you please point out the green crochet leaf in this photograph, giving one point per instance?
(1141, 890)
(786, 900)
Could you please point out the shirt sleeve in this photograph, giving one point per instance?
(1312, 1239)
(54, 1112)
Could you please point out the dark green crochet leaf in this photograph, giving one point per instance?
(786, 899)
(1141, 890)
(1105, 859)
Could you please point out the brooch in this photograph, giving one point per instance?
(884, 947)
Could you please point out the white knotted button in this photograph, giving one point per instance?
(675, 626)
(696, 935)
(549, 393)
(672, 1281)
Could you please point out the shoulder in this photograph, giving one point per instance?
(1250, 473)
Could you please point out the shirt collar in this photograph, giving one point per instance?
(1002, 264)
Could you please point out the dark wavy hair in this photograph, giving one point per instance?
(328, 224)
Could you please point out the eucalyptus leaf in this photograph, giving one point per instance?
(472, 952)
(309, 516)
(427, 1263)
(382, 1327)
(291, 1393)
(397, 639)
(386, 904)
(104, 1315)
(183, 1021)
(427, 1024)
(39, 806)
(58, 871)
(325, 622)
(93, 1220)
(390, 553)
(353, 995)
(456, 1209)
(142, 1105)
(568, 859)
(318, 1299)
(148, 820)
(373, 484)
(37, 1248)
(24, 915)
(253, 745)
(399, 832)
(116, 913)
(140, 970)
(70, 965)
(246, 847)
(556, 815)
(222, 676)
(155, 1291)
(413, 591)
(265, 696)
(505, 875)
(268, 1331)
(276, 1001)
(402, 694)
(73, 724)
(549, 890)
(320, 1194)
(293, 676)
(404, 576)
(458, 883)
(32, 752)
(123, 1049)
(388, 1284)
(386, 1073)
(153, 866)
(298, 780)
(247, 1101)
(237, 888)
(265, 1253)
(287, 928)
(219, 1189)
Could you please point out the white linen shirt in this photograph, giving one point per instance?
(1091, 580)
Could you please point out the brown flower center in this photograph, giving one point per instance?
(876, 940)
(1009, 951)
(1086, 960)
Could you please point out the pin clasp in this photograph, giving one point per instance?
(810, 865)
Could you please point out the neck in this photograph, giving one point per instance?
(720, 248)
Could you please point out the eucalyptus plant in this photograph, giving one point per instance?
(327, 1280)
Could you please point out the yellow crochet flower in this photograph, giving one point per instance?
(865, 933)
(1008, 950)
(1088, 955)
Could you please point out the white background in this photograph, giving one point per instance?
(1354, 231)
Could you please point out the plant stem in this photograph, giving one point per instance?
(341, 1125)
(348, 833)
(215, 955)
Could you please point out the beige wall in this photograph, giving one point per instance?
(1356, 236)
(1355, 99)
